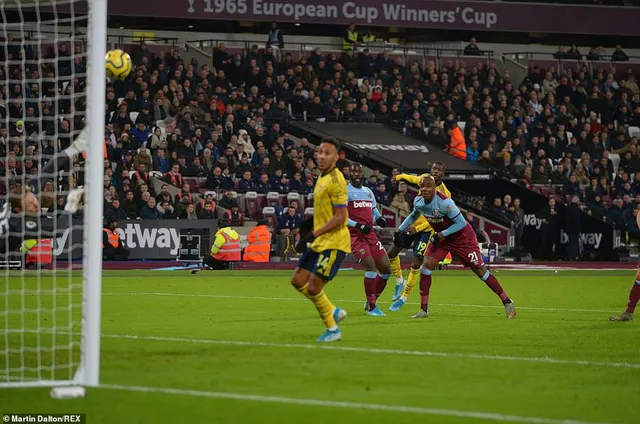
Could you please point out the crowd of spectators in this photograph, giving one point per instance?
(228, 123)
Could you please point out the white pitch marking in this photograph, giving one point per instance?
(544, 359)
(295, 298)
(489, 416)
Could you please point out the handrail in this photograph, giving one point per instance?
(422, 55)
(553, 56)
(188, 46)
(137, 39)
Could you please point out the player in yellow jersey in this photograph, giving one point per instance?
(419, 241)
(329, 240)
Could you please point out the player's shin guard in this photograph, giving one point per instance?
(414, 275)
(325, 309)
(494, 285)
(304, 290)
(396, 268)
(425, 287)
(634, 296)
(381, 283)
(370, 289)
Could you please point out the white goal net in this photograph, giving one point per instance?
(50, 239)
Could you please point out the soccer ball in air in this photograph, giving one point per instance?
(118, 64)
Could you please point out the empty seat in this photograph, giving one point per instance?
(251, 204)
(269, 214)
(308, 213)
(273, 199)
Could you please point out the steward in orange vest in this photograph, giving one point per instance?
(112, 247)
(457, 146)
(259, 239)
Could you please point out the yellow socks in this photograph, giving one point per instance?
(325, 309)
(304, 290)
(396, 267)
(414, 276)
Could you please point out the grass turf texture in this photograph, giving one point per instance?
(173, 330)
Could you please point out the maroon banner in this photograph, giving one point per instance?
(442, 14)
(496, 234)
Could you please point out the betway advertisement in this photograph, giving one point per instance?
(437, 14)
(144, 238)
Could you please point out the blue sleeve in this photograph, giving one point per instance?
(351, 223)
(373, 198)
(415, 214)
(409, 220)
(376, 214)
(452, 211)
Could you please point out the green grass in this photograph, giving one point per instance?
(447, 362)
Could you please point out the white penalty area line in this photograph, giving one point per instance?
(419, 353)
(488, 416)
(295, 298)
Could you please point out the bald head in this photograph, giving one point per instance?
(427, 187)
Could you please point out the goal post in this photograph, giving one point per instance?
(92, 262)
(53, 74)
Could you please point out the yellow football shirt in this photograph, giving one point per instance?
(330, 192)
(421, 223)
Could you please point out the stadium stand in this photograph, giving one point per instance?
(227, 124)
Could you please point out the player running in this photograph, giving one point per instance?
(452, 234)
(329, 238)
(634, 295)
(419, 240)
(365, 244)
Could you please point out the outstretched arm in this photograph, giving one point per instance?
(409, 220)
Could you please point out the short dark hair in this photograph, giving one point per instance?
(441, 164)
(335, 143)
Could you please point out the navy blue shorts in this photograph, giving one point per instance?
(420, 244)
(324, 264)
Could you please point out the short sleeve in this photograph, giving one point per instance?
(373, 198)
(450, 209)
(338, 195)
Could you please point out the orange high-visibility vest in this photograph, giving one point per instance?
(41, 253)
(458, 146)
(230, 250)
(259, 239)
(114, 238)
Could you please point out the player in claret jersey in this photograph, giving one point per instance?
(452, 233)
(365, 244)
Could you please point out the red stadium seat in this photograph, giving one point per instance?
(273, 199)
(308, 213)
(294, 196)
(269, 213)
(251, 204)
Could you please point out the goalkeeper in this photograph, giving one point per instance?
(419, 241)
(21, 224)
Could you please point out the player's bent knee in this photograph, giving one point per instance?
(482, 272)
(316, 284)
(299, 279)
(430, 263)
(416, 263)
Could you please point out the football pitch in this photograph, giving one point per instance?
(238, 347)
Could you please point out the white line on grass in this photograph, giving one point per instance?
(333, 347)
(297, 298)
(346, 405)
